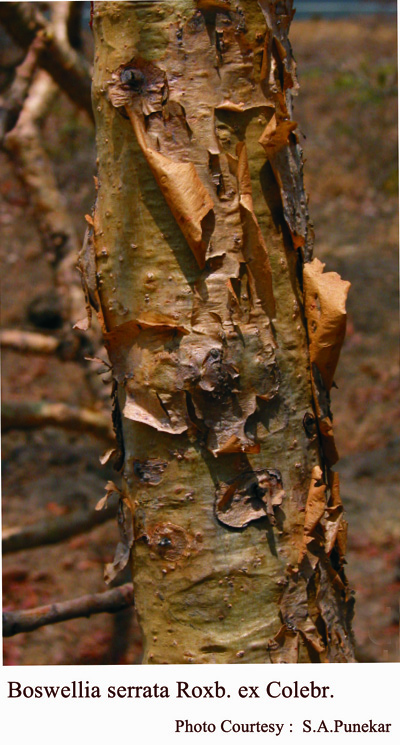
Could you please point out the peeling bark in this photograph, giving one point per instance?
(201, 247)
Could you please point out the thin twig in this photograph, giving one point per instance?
(69, 346)
(112, 601)
(34, 415)
(54, 529)
(28, 342)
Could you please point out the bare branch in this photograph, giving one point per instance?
(59, 239)
(36, 170)
(69, 346)
(12, 103)
(74, 24)
(33, 415)
(117, 599)
(28, 342)
(54, 529)
(66, 66)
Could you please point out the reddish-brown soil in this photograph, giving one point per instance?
(346, 112)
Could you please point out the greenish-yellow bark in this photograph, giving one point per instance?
(222, 332)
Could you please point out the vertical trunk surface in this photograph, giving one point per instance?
(223, 335)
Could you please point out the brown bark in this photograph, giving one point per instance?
(223, 335)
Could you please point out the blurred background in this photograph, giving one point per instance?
(347, 115)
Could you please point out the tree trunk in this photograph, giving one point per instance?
(223, 335)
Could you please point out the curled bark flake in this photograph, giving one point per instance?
(252, 495)
(186, 196)
(314, 512)
(334, 515)
(223, 407)
(288, 171)
(123, 550)
(236, 444)
(284, 647)
(278, 50)
(169, 132)
(148, 369)
(325, 309)
(278, 81)
(125, 343)
(107, 455)
(341, 540)
(276, 134)
(294, 609)
(326, 512)
(110, 488)
(145, 364)
(254, 247)
(335, 603)
(184, 192)
(147, 409)
(324, 416)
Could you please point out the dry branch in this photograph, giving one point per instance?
(66, 66)
(28, 342)
(59, 239)
(54, 529)
(12, 103)
(16, 622)
(67, 347)
(58, 235)
(34, 415)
